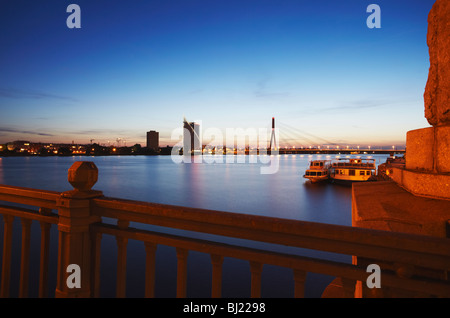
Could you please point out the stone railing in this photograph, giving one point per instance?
(78, 216)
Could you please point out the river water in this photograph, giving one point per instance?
(231, 187)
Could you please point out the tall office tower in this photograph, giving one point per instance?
(153, 140)
(191, 138)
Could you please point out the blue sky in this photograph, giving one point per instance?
(136, 66)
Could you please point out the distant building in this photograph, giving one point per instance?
(153, 140)
(19, 146)
(191, 138)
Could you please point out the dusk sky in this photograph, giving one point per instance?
(136, 66)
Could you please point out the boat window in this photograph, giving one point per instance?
(312, 173)
(368, 173)
(351, 172)
(361, 173)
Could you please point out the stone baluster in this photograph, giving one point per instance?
(182, 255)
(45, 253)
(6, 259)
(122, 243)
(216, 288)
(25, 258)
(299, 283)
(256, 270)
(150, 255)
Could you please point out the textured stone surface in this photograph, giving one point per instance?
(428, 149)
(427, 184)
(387, 206)
(442, 158)
(419, 149)
(437, 91)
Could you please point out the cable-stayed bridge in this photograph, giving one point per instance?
(291, 140)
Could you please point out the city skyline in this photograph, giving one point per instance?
(136, 67)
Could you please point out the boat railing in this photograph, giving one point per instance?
(82, 217)
(319, 168)
(354, 165)
(326, 165)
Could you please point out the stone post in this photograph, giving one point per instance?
(437, 90)
(427, 169)
(74, 257)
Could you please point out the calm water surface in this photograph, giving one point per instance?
(233, 187)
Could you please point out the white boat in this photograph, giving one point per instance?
(319, 170)
(349, 170)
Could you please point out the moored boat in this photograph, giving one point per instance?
(319, 170)
(349, 170)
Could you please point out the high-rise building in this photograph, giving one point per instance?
(153, 140)
(191, 138)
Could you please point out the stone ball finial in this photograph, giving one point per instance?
(83, 175)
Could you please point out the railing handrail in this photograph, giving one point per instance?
(29, 196)
(80, 215)
(50, 218)
(295, 262)
(344, 239)
(354, 165)
(391, 246)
